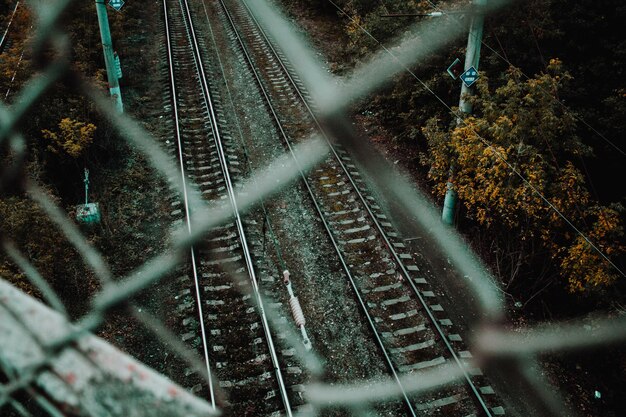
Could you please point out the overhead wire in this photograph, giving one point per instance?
(485, 142)
(505, 59)
(532, 32)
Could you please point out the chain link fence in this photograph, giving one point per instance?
(66, 371)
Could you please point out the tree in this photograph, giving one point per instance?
(519, 148)
(72, 137)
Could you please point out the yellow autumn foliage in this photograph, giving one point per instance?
(585, 267)
(72, 137)
(519, 148)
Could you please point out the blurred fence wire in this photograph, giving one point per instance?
(66, 370)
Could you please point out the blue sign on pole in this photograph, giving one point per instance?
(116, 4)
(469, 77)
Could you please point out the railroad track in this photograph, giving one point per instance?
(410, 327)
(220, 304)
(5, 39)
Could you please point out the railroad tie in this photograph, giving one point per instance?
(337, 193)
(232, 259)
(183, 292)
(442, 402)
(218, 287)
(356, 229)
(414, 347)
(401, 316)
(385, 288)
(454, 337)
(403, 299)
(405, 331)
(424, 364)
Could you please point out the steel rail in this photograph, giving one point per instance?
(186, 200)
(379, 227)
(6, 31)
(233, 201)
(334, 243)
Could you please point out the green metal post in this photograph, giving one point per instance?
(472, 57)
(86, 181)
(109, 60)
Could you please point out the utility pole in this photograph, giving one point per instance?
(109, 59)
(472, 57)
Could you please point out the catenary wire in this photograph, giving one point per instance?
(565, 108)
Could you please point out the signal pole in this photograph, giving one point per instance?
(472, 57)
(109, 59)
